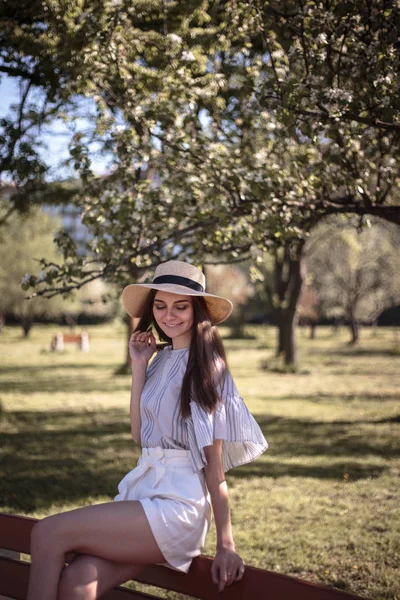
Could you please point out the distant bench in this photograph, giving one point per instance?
(256, 584)
(82, 339)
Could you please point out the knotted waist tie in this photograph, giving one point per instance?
(159, 459)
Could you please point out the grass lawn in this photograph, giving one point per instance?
(321, 504)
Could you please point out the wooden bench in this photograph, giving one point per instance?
(256, 584)
(82, 339)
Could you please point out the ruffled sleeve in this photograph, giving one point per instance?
(231, 422)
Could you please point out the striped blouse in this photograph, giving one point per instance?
(163, 426)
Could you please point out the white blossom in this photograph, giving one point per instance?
(188, 56)
(276, 54)
(175, 38)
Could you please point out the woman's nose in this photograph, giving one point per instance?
(170, 313)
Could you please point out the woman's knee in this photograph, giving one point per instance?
(40, 535)
(44, 536)
(74, 584)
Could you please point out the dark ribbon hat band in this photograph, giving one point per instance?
(193, 285)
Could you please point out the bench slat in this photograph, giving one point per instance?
(198, 583)
(14, 577)
(15, 535)
(15, 532)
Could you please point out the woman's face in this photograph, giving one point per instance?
(174, 315)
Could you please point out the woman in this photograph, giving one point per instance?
(192, 425)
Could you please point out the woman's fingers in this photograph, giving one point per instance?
(152, 339)
(222, 578)
(218, 574)
(232, 572)
(214, 573)
(139, 336)
(224, 575)
(240, 572)
(142, 337)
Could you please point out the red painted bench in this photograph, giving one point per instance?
(256, 584)
(81, 339)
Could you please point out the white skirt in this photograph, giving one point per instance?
(175, 500)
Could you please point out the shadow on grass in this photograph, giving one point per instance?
(66, 456)
(51, 383)
(35, 371)
(298, 437)
(346, 471)
(322, 397)
(70, 456)
(351, 351)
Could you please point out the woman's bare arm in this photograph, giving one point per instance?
(138, 380)
(141, 348)
(227, 566)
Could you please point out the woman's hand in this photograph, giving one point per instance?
(227, 567)
(142, 346)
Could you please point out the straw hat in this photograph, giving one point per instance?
(176, 277)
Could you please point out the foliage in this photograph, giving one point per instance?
(233, 282)
(232, 128)
(24, 240)
(257, 118)
(356, 273)
(44, 69)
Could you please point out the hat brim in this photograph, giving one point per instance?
(134, 297)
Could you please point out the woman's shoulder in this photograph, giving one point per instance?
(166, 355)
(155, 361)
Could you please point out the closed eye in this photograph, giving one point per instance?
(162, 306)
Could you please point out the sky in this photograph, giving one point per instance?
(55, 138)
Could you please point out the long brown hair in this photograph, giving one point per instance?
(207, 363)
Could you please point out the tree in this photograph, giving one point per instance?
(45, 72)
(279, 278)
(231, 281)
(309, 313)
(26, 239)
(323, 90)
(251, 115)
(356, 273)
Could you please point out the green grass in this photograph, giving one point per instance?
(321, 503)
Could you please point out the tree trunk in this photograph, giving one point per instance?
(355, 331)
(26, 324)
(281, 323)
(289, 280)
(237, 329)
(313, 327)
(289, 338)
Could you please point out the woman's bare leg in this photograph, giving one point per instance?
(117, 531)
(89, 577)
